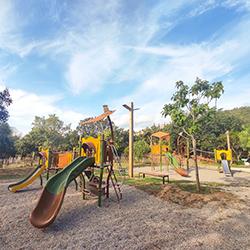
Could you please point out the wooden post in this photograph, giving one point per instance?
(160, 155)
(131, 142)
(101, 171)
(80, 146)
(228, 141)
(151, 153)
(131, 109)
(228, 147)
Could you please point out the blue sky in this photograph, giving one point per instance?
(71, 57)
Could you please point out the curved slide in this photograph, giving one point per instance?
(178, 169)
(28, 180)
(51, 199)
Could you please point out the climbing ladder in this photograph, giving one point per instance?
(122, 171)
(116, 185)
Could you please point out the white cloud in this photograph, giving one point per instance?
(242, 5)
(97, 44)
(88, 70)
(27, 105)
(6, 70)
(101, 48)
(207, 60)
(11, 37)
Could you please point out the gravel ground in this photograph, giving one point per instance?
(141, 221)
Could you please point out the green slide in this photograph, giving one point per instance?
(173, 162)
(52, 196)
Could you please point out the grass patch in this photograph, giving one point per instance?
(239, 166)
(190, 186)
(154, 184)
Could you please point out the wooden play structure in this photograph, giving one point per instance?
(224, 157)
(219, 154)
(92, 162)
(161, 147)
(56, 161)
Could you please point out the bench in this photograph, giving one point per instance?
(162, 175)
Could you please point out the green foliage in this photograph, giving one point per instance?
(145, 134)
(121, 137)
(242, 113)
(5, 101)
(47, 132)
(7, 141)
(190, 110)
(190, 105)
(92, 129)
(140, 149)
(244, 138)
(126, 151)
(26, 144)
(70, 140)
(213, 131)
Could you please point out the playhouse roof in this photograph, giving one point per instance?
(161, 135)
(98, 118)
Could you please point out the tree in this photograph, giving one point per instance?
(121, 137)
(190, 109)
(26, 145)
(242, 113)
(213, 131)
(140, 149)
(47, 132)
(92, 129)
(244, 137)
(7, 147)
(70, 140)
(5, 101)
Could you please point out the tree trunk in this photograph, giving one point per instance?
(188, 155)
(198, 187)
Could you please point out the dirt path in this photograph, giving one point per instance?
(141, 222)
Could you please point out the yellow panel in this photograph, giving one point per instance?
(46, 154)
(156, 149)
(97, 144)
(218, 153)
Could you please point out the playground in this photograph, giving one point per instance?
(86, 198)
(140, 221)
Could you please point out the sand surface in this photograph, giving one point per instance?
(141, 221)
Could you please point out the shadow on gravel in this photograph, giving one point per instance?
(68, 220)
(88, 212)
(238, 182)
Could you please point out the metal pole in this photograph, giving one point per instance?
(131, 142)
